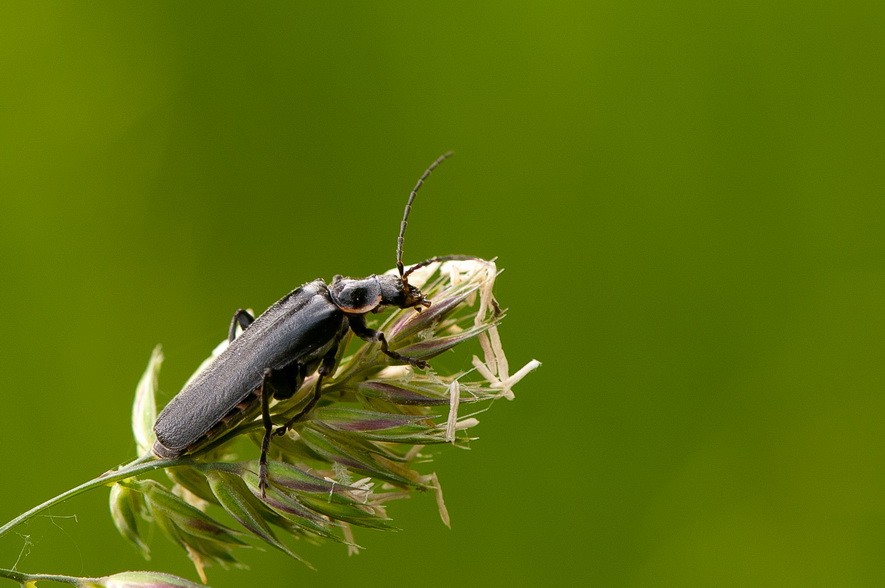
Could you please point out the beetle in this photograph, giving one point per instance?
(297, 336)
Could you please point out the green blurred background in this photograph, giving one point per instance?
(687, 198)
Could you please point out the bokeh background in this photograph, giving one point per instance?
(687, 198)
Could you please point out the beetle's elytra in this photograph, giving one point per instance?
(297, 336)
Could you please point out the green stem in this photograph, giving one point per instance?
(130, 470)
(23, 578)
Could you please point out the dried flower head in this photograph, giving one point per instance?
(359, 448)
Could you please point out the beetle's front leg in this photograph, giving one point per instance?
(358, 326)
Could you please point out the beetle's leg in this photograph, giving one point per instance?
(268, 429)
(435, 259)
(325, 369)
(241, 317)
(358, 326)
(274, 383)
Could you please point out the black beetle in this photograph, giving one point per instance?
(298, 336)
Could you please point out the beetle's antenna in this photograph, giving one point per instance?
(404, 223)
(435, 259)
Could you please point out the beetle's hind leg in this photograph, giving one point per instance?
(242, 318)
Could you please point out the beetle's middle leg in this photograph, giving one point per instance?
(325, 369)
(282, 384)
(276, 383)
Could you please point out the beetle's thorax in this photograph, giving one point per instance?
(372, 294)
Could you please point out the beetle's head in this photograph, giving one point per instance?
(374, 294)
(400, 293)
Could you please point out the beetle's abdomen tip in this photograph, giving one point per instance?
(164, 452)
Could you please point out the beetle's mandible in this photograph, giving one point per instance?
(296, 337)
